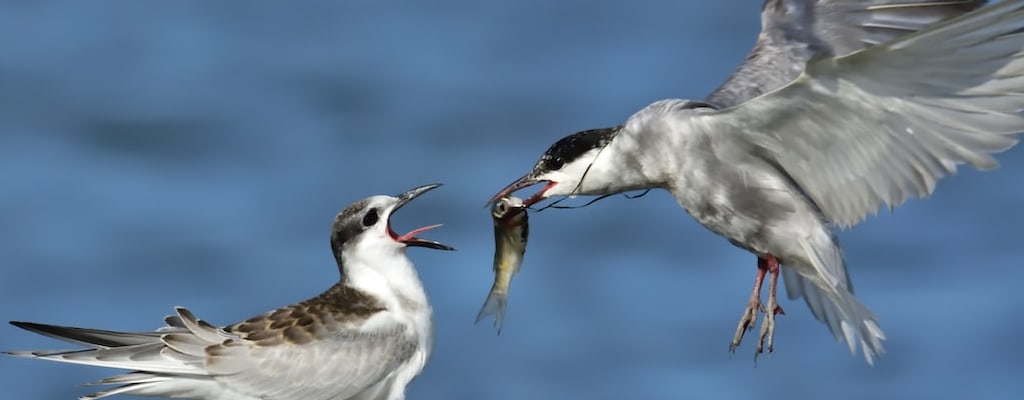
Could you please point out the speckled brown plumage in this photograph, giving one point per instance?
(359, 339)
(303, 322)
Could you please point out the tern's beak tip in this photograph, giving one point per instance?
(424, 188)
(518, 184)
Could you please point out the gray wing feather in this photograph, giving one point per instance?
(794, 31)
(167, 362)
(826, 289)
(343, 365)
(93, 338)
(882, 125)
(144, 351)
(194, 359)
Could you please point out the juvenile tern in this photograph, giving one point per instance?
(843, 107)
(364, 338)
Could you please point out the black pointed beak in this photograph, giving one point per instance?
(410, 238)
(524, 182)
(414, 193)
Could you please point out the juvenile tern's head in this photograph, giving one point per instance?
(564, 166)
(366, 226)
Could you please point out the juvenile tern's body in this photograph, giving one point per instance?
(364, 338)
(837, 113)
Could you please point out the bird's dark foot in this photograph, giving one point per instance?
(747, 321)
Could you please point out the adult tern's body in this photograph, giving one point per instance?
(364, 338)
(804, 137)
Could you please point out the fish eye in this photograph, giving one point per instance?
(370, 218)
(500, 208)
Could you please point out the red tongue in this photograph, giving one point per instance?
(539, 195)
(414, 232)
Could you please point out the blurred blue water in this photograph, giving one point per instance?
(194, 153)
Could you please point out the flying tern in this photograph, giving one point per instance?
(843, 107)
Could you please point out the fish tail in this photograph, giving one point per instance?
(494, 305)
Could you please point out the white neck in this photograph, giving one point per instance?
(385, 271)
(652, 146)
(633, 160)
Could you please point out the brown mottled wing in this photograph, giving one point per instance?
(339, 343)
(794, 31)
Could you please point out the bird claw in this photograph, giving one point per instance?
(767, 335)
(766, 265)
(747, 321)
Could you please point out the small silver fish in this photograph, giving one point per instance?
(511, 229)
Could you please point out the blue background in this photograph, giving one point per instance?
(194, 153)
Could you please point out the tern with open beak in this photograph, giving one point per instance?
(364, 338)
(842, 108)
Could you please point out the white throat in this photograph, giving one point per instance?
(382, 269)
(378, 266)
(647, 151)
(621, 166)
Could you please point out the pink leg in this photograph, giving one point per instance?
(771, 264)
(749, 316)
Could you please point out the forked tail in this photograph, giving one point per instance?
(826, 288)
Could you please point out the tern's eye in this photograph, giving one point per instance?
(555, 163)
(370, 218)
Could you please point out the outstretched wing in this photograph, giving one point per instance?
(877, 127)
(882, 125)
(794, 31)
